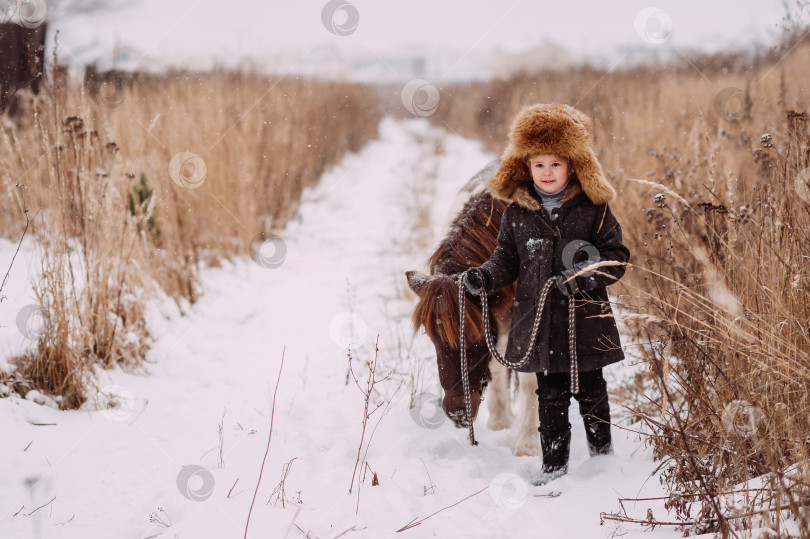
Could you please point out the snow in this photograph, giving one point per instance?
(150, 465)
(535, 246)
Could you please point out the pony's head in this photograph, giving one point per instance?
(470, 240)
(437, 310)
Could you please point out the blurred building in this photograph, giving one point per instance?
(545, 56)
(328, 62)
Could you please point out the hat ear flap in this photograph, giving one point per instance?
(512, 173)
(591, 178)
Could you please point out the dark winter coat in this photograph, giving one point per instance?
(530, 249)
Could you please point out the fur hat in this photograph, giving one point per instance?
(541, 129)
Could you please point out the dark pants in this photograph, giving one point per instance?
(554, 396)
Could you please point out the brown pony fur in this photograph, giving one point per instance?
(470, 241)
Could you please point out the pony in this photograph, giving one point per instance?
(470, 240)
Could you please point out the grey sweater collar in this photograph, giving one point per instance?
(551, 200)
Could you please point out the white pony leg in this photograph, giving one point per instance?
(527, 440)
(498, 401)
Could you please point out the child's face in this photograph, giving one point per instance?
(549, 171)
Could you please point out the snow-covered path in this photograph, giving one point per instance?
(336, 275)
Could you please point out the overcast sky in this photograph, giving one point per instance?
(240, 28)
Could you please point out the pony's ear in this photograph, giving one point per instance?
(417, 281)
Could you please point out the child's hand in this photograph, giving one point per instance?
(475, 280)
(570, 287)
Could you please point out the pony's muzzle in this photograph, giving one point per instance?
(453, 406)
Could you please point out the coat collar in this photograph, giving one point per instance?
(526, 197)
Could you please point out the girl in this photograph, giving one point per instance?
(557, 224)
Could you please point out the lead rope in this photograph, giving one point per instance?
(488, 332)
(572, 346)
(572, 343)
(465, 376)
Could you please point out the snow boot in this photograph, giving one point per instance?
(595, 411)
(548, 475)
(598, 436)
(555, 457)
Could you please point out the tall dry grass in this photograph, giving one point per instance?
(710, 158)
(132, 187)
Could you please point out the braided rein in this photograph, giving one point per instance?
(465, 375)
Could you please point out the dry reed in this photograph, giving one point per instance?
(123, 214)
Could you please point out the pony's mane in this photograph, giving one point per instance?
(472, 237)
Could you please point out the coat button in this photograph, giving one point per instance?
(562, 302)
(551, 352)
